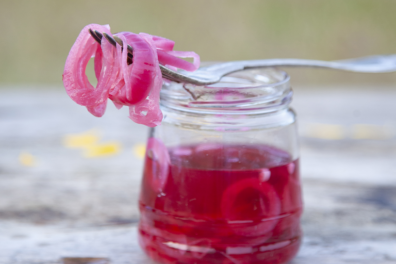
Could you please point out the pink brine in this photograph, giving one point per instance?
(220, 204)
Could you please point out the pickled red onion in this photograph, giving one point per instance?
(158, 153)
(163, 43)
(168, 56)
(236, 205)
(75, 80)
(137, 85)
(147, 111)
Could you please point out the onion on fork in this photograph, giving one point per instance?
(132, 80)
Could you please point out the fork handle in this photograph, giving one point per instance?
(374, 64)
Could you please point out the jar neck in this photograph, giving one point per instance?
(241, 99)
(228, 122)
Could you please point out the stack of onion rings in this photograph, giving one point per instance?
(136, 85)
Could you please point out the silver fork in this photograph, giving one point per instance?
(213, 74)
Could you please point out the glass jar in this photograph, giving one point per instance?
(221, 174)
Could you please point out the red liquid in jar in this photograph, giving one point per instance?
(213, 203)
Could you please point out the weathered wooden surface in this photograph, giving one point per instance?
(56, 203)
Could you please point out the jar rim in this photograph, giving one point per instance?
(248, 91)
(285, 78)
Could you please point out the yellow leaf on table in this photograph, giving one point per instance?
(82, 140)
(326, 131)
(366, 131)
(27, 159)
(100, 150)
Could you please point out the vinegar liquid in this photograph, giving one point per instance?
(215, 203)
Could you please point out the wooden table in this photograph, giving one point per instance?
(56, 202)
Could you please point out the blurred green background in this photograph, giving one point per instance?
(37, 34)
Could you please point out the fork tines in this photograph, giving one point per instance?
(113, 41)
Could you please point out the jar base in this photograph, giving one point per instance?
(200, 252)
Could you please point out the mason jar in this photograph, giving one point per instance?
(221, 173)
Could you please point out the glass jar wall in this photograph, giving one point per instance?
(221, 174)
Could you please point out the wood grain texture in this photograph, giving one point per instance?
(66, 205)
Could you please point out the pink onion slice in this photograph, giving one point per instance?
(98, 61)
(107, 76)
(138, 76)
(187, 54)
(162, 43)
(148, 111)
(157, 151)
(250, 200)
(117, 93)
(76, 81)
(168, 56)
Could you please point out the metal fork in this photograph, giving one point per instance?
(213, 74)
